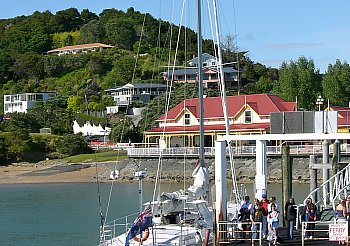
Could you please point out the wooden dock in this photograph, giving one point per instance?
(317, 240)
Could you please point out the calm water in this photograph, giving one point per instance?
(68, 214)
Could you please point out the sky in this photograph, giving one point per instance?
(271, 31)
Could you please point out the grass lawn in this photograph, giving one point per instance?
(99, 156)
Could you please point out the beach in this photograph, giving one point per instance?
(53, 171)
(28, 173)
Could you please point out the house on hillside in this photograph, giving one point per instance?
(81, 48)
(23, 102)
(129, 94)
(248, 114)
(210, 73)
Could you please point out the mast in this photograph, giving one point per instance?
(200, 83)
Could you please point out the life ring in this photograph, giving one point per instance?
(144, 238)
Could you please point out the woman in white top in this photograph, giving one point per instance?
(272, 220)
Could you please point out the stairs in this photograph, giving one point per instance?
(328, 193)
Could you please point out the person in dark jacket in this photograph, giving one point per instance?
(290, 216)
(309, 214)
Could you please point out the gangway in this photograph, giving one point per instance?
(326, 196)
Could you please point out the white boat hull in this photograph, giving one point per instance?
(165, 235)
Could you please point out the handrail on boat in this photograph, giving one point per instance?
(111, 229)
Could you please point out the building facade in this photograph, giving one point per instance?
(248, 114)
(140, 93)
(81, 48)
(23, 102)
(210, 73)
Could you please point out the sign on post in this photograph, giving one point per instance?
(338, 232)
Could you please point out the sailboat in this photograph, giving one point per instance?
(176, 218)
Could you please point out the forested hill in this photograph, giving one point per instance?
(24, 41)
(80, 79)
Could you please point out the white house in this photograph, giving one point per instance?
(23, 102)
(125, 96)
(81, 48)
(210, 73)
(207, 60)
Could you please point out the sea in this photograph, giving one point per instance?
(68, 214)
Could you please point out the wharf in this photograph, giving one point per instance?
(317, 240)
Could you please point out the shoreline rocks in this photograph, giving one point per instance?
(173, 170)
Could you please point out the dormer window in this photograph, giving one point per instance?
(248, 116)
(187, 119)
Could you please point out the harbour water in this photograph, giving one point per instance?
(68, 214)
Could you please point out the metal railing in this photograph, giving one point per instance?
(116, 227)
(240, 151)
(232, 232)
(330, 191)
(321, 231)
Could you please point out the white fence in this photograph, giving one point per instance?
(241, 150)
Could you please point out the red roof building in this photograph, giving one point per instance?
(343, 117)
(248, 114)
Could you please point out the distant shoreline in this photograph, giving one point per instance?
(172, 171)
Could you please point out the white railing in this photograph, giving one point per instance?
(321, 229)
(114, 228)
(334, 188)
(230, 232)
(241, 150)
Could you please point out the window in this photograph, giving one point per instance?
(214, 76)
(191, 77)
(187, 119)
(23, 97)
(248, 116)
(31, 97)
(7, 98)
(181, 77)
(39, 97)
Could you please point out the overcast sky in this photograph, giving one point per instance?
(272, 31)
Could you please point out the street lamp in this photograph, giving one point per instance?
(319, 102)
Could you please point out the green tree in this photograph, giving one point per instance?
(28, 66)
(4, 158)
(72, 144)
(92, 32)
(87, 16)
(74, 103)
(121, 32)
(19, 145)
(264, 85)
(336, 83)
(299, 80)
(122, 72)
(68, 20)
(125, 131)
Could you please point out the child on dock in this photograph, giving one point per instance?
(272, 220)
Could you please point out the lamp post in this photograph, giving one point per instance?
(319, 102)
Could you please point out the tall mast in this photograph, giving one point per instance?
(200, 82)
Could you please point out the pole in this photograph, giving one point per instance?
(313, 176)
(221, 189)
(286, 175)
(336, 156)
(200, 82)
(325, 160)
